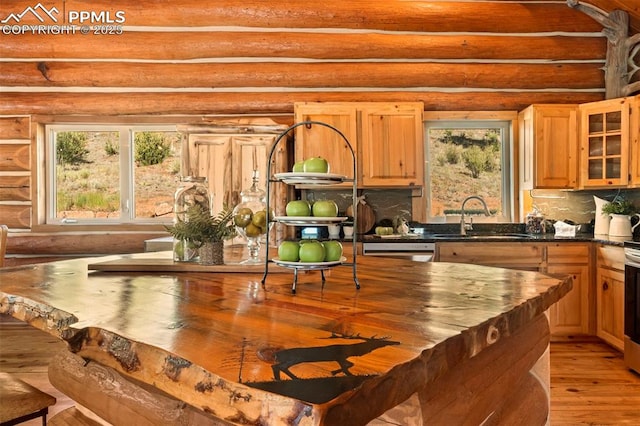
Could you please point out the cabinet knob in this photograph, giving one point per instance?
(605, 285)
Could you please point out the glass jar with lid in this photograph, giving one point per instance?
(251, 219)
(534, 222)
(192, 192)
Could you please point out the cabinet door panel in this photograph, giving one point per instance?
(318, 140)
(548, 146)
(503, 255)
(210, 156)
(610, 307)
(228, 162)
(249, 153)
(571, 313)
(605, 143)
(563, 253)
(634, 138)
(392, 145)
(556, 155)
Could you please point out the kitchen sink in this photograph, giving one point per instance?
(507, 236)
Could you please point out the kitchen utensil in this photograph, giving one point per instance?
(366, 217)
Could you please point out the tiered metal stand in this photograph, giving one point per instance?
(310, 179)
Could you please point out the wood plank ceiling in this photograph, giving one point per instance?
(232, 56)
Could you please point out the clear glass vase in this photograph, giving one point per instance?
(251, 219)
(191, 192)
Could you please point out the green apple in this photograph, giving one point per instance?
(316, 165)
(312, 251)
(298, 167)
(288, 251)
(298, 208)
(325, 208)
(242, 217)
(332, 251)
(384, 230)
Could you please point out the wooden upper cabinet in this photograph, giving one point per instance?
(634, 141)
(228, 162)
(387, 139)
(548, 147)
(605, 143)
(316, 140)
(210, 156)
(227, 159)
(392, 145)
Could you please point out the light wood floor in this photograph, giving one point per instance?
(589, 383)
(591, 386)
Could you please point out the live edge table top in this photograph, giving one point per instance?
(223, 343)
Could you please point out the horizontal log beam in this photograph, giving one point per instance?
(445, 16)
(207, 45)
(15, 157)
(79, 243)
(16, 216)
(326, 75)
(15, 127)
(15, 188)
(133, 103)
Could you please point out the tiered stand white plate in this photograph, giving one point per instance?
(301, 178)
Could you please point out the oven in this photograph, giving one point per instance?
(416, 250)
(632, 305)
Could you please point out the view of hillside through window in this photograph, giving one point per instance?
(464, 162)
(121, 174)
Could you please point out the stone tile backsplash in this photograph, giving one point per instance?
(576, 206)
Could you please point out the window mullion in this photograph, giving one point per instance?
(127, 208)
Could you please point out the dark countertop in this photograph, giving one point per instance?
(489, 237)
(215, 335)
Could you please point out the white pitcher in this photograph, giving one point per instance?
(601, 226)
(620, 225)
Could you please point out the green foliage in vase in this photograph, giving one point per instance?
(201, 227)
(619, 206)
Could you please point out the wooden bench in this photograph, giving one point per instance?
(21, 401)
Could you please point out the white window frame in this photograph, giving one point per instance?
(127, 163)
(508, 170)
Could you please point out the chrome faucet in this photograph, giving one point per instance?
(464, 227)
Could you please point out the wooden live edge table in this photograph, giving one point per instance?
(419, 343)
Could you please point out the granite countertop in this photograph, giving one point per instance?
(508, 237)
(485, 233)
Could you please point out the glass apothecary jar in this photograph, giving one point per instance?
(250, 218)
(192, 192)
(534, 223)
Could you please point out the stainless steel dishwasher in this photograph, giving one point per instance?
(420, 251)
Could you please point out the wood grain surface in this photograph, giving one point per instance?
(228, 345)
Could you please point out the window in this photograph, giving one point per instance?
(468, 158)
(111, 173)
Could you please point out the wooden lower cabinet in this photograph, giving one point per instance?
(610, 296)
(573, 314)
(524, 256)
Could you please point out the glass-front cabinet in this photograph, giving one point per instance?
(606, 135)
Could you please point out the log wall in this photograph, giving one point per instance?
(254, 57)
(232, 57)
